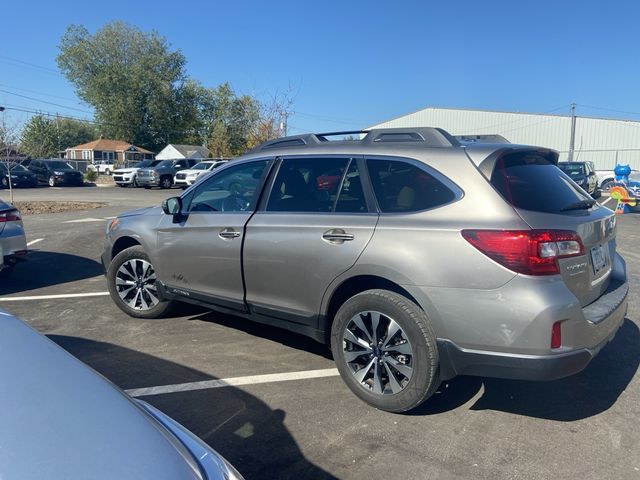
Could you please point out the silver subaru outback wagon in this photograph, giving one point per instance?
(415, 257)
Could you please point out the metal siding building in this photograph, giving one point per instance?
(603, 141)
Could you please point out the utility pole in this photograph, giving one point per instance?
(572, 140)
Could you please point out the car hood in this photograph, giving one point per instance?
(122, 171)
(190, 170)
(157, 210)
(62, 421)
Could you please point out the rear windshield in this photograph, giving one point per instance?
(572, 169)
(531, 181)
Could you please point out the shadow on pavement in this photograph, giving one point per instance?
(44, 269)
(244, 429)
(275, 334)
(592, 391)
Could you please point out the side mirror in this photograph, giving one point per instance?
(172, 206)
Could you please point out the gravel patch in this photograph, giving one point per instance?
(36, 208)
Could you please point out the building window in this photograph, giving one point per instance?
(73, 155)
(86, 154)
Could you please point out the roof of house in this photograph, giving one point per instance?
(188, 150)
(109, 145)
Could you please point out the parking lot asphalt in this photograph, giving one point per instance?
(288, 426)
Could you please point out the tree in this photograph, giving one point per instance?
(43, 137)
(134, 80)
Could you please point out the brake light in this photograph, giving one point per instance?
(9, 216)
(556, 335)
(531, 252)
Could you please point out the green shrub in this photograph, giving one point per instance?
(91, 175)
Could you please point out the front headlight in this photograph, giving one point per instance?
(58, 173)
(192, 175)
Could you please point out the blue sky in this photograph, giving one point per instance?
(352, 64)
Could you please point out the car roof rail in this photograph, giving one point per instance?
(427, 136)
(485, 138)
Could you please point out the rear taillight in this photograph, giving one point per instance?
(9, 216)
(532, 252)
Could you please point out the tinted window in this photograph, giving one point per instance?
(59, 166)
(164, 164)
(402, 187)
(572, 169)
(532, 182)
(307, 184)
(232, 190)
(351, 198)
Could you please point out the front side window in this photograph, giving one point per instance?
(232, 190)
(401, 187)
(307, 185)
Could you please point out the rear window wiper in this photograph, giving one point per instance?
(580, 205)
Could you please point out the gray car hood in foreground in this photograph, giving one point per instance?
(62, 421)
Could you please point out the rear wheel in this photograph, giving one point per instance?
(385, 350)
(4, 182)
(131, 278)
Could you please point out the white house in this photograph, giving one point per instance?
(175, 152)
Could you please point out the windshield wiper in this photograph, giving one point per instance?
(581, 205)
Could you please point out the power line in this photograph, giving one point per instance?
(28, 64)
(39, 93)
(608, 109)
(44, 101)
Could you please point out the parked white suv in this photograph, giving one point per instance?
(125, 177)
(186, 178)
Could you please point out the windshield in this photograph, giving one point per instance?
(530, 181)
(60, 165)
(14, 168)
(202, 166)
(572, 169)
(164, 163)
(147, 163)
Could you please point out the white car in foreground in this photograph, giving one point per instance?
(125, 177)
(186, 178)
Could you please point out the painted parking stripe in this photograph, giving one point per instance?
(83, 220)
(33, 242)
(52, 297)
(233, 382)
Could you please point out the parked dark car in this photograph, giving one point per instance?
(67, 422)
(584, 174)
(54, 172)
(18, 175)
(162, 174)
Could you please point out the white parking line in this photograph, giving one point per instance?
(51, 297)
(82, 220)
(232, 382)
(33, 242)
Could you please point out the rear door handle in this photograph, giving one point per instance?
(228, 234)
(337, 235)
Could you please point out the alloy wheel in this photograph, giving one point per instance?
(136, 284)
(378, 353)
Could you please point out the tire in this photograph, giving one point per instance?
(413, 345)
(107, 172)
(606, 185)
(597, 193)
(166, 182)
(132, 302)
(147, 187)
(122, 185)
(51, 181)
(4, 182)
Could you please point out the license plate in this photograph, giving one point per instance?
(598, 258)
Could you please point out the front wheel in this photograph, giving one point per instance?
(131, 279)
(52, 181)
(166, 182)
(385, 349)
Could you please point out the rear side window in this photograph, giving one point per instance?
(307, 184)
(401, 187)
(531, 181)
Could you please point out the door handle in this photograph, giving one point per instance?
(228, 234)
(337, 236)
